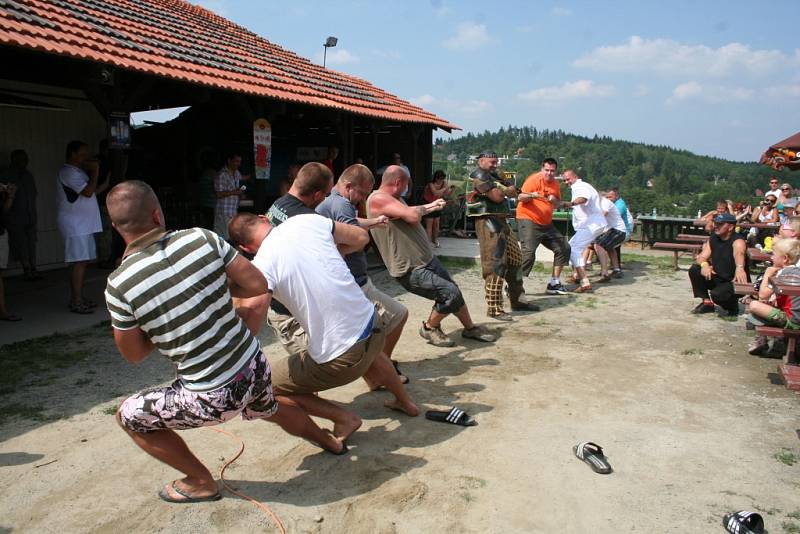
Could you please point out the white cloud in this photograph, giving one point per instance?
(338, 56)
(466, 108)
(423, 101)
(220, 7)
(712, 94)
(568, 91)
(671, 58)
(783, 91)
(561, 12)
(469, 36)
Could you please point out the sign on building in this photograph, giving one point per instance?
(262, 148)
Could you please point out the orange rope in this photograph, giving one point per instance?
(263, 507)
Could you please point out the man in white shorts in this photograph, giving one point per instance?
(588, 222)
(79, 218)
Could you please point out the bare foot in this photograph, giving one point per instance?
(344, 429)
(408, 409)
(335, 444)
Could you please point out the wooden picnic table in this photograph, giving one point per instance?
(664, 229)
(758, 255)
(692, 238)
(761, 226)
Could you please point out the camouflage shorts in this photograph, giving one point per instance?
(175, 407)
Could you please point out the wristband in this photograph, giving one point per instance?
(704, 264)
(740, 266)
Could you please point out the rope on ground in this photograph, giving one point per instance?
(244, 496)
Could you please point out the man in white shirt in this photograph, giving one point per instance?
(79, 217)
(587, 220)
(774, 188)
(606, 243)
(306, 272)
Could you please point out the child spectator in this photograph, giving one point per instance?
(772, 309)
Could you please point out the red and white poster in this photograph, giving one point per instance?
(262, 148)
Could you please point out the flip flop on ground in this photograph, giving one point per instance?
(592, 454)
(743, 522)
(454, 416)
(185, 497)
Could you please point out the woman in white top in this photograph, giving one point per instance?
(767, 212)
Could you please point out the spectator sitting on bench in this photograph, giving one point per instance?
(790, 228)
(719, 264)
(722, 207)
(772, 309)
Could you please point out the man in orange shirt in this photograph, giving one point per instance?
(539, 196)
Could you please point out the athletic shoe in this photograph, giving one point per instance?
(556, 289)
(703, 308)
(617, 273)
(479, 333)
(500, 316)
(435, 336)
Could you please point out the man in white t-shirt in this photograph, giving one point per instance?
(606, 243)
(345, 332)
(774, 188)
(587, 220)
(79, 217)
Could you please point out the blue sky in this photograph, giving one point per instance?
(716, 78)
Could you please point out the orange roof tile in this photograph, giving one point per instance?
(179, 40)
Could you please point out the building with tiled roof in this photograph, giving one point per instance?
(70, 65)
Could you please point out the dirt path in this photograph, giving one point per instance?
(692, 425)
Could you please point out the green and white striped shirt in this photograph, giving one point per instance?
(173, 286)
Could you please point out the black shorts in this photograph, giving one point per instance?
(433, 282)
(610, 239)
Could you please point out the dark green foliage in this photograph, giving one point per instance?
(683, 182)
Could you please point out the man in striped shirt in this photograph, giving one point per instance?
(171, 293)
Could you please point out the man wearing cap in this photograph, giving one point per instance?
(719, 264)
(501, 257)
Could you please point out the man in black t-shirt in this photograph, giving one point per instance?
(719, 264)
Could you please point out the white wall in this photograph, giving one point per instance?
(44, 136)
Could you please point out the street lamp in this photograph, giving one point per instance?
(330, 42)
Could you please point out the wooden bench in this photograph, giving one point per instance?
(692, 238)
(789, 368)
(744, 289)
(678, 248)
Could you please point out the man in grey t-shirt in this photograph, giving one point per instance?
(354, 186)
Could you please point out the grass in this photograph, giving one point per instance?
(794, 515)
(660, 264)
(692, 352)
(786, 456)
(590, 302)
(110, 410)
(790, 528)
(34, 360)
(24, 411)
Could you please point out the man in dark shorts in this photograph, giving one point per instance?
(171, 293)
(407, 253)
(720, 263)
(501, 257)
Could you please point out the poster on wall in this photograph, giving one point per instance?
(262, 148)
(119, 129)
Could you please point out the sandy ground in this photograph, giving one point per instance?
(690, 422)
